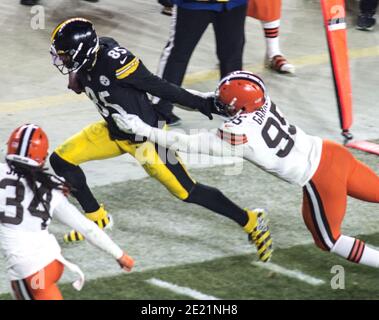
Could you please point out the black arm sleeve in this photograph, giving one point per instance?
(144, 80)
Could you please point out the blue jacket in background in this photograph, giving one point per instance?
(209, 6)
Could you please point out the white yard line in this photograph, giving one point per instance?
(296, 274)
(181, 290)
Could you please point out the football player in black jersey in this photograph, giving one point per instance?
(117, 81)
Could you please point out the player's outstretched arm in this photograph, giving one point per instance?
(204, 95)
(205, 142)
(69, 215)
(140, 77)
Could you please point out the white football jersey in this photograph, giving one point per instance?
(272, 143)
(26, 242)
(19, 208)
(27, 245)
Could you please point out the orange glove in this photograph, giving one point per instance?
(126, 262)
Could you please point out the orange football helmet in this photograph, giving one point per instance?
(240, 91)
(28, 145)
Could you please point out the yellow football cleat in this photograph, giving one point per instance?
(259, 233)
(100, 217)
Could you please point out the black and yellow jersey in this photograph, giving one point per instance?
(120, 81)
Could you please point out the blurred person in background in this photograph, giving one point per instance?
(269, 13)
(167, 7)
(190, 19)
(366, 18)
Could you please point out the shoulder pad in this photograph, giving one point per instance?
(122, 61)
(108, 42)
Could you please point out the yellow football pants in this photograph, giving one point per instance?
(94, 143)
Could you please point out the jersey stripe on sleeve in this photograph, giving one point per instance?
(232, 138)
(128, 69)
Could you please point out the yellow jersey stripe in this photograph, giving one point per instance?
(126, 66)
(128, 69)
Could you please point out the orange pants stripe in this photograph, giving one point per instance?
(41, 285)
(265, 10)
(325, 197)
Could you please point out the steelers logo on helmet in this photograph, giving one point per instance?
(28, 145)
(240, 92)
(74, 45)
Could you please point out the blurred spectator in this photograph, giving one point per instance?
(34, 2)
(167, 7)
(190, 18)
(366, 20)
(269, 13)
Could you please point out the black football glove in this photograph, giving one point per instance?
(207, 107)
(216, 109)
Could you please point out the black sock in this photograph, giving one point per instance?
(213, 199)
(74, 175)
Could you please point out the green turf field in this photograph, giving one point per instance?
(236, 278)
(190, 247)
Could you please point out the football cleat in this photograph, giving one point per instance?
(259, 233)
(101, 217)
(279, 64)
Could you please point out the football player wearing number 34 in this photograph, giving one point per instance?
(326, 171)
(29, 198)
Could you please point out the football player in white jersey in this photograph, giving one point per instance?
(257, 131)
(29, 197)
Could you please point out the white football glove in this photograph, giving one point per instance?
(132, 124)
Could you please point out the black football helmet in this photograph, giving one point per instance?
(74, 45)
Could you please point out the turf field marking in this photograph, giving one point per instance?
(296, 274)
(181, 290)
